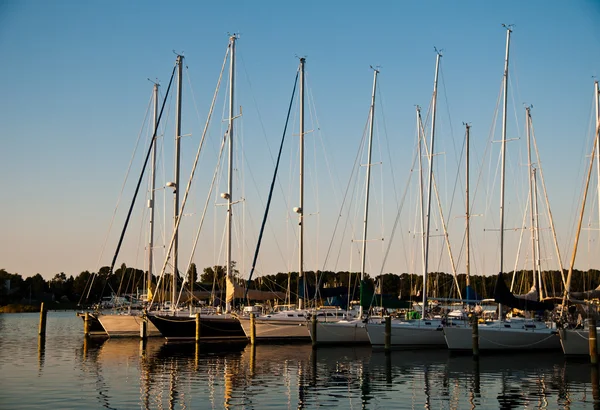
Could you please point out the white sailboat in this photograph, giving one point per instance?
(288, 325)
(352, 331)
(516, 334)
(423, 332)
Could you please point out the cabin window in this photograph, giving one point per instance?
(506, 325)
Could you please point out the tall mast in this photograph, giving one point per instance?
(585, 192)
(230, 173)
(531, 192)
(597, 136)
(503, 155)
(176, 187)
(429, 183)
(538, 260)
(421, 205)
(300, 209)
(152, 196)
(467, 207)
(368, 183)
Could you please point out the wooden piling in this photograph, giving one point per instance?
(144, 328)
(388, 334)
(197, 327)
(43, 314)
(593, 341)
(86, 324)
(314, 330)
(252, 328)
(475, 336)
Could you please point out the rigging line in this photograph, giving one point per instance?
(387, 141)
(202, 139)
(435, 188)
(351, 179)
(399, 212)
(92, 277)
(137, 188)
(262, 227)
(550, 218)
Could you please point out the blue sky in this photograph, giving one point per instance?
(75, 90)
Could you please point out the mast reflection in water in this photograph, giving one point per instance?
(69, 372)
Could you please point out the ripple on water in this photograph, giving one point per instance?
(72, 373)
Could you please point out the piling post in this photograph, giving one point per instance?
(197, 327)
(475, 335)
(252, 328)
(43, 314)
(144, 328)
(388, 334)
(313, 323)
(86, 324)
(593, 341)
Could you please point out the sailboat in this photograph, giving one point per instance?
(352, 331)
(424, 332)
(212, 327)
(515, 334)
(289, 324)
(576, 341)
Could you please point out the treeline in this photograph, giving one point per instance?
(89, 287)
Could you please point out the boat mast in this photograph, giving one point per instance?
(531, 193)
(538, 260)
(176, 184)
(467, 215)
(421, 204)
(368, 183)
(229, 174)
(429, 183)
(503, 156)
(300, 209)
(152, 196)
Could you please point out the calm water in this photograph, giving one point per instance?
(70, 373)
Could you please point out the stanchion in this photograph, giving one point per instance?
(197, 327)
(314, 331)
(475, 335)
(144, 328)
(593, 341)
(388, 334)
(43, 314)
(252, 328)
(86, 324)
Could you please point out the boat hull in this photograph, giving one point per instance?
(277, 330)
(460, 338)
(576, 342)
(126, 326)
(412, 334)
(340, 333)
(213, 328)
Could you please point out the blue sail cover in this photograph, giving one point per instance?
(471, 295)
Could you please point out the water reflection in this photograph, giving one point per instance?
(67, 371)
(188, 375)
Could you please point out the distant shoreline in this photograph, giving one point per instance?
(21, 308)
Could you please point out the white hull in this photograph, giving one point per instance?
(125, 326)
(277, 330)
(343, 332)
(576, 342)
(412, 334)
(492, 337)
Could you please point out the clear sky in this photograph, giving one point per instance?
(74, 94)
